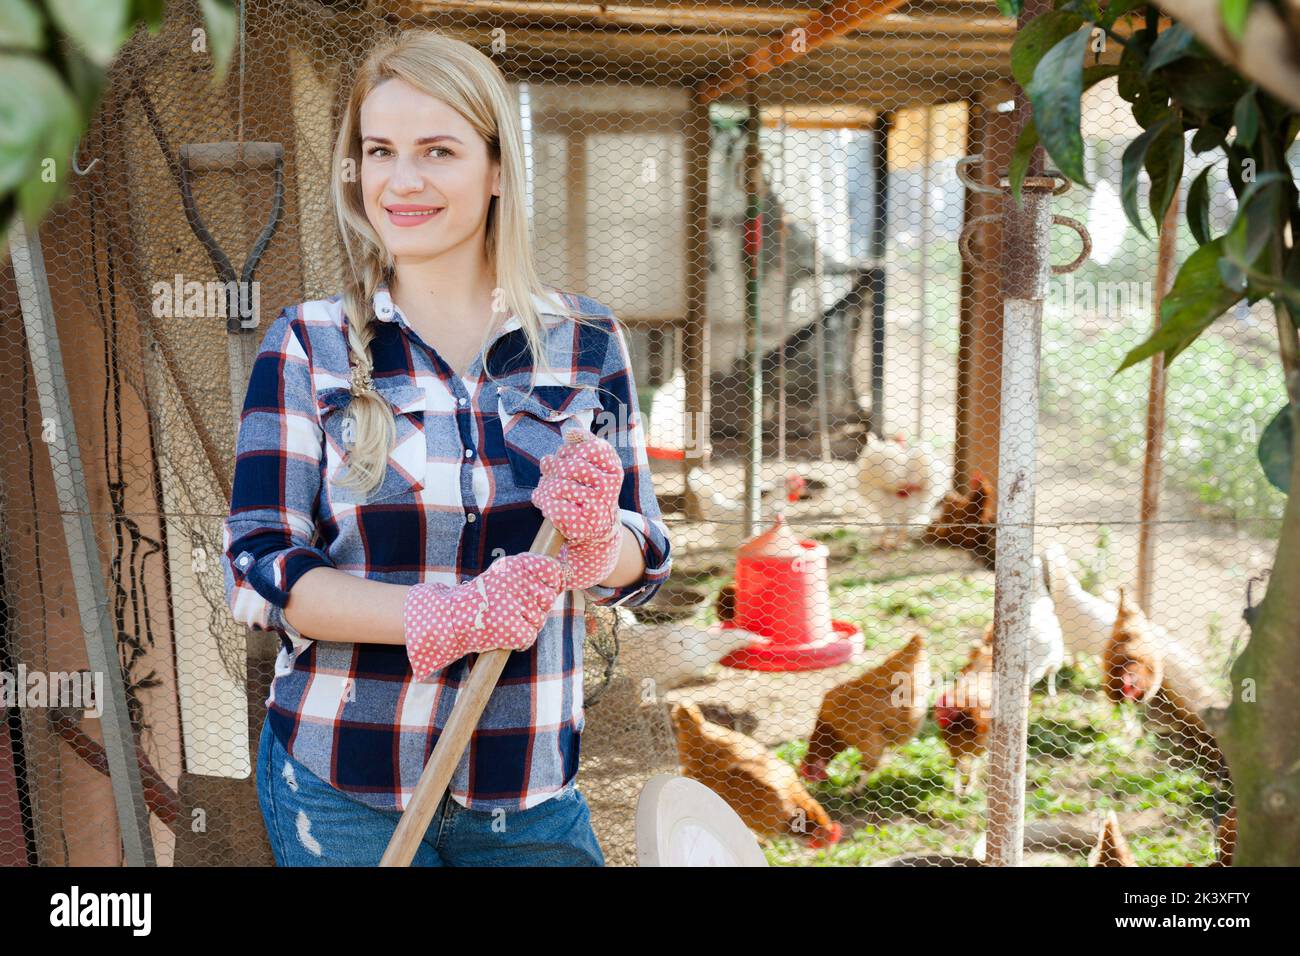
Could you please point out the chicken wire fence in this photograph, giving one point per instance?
(819, 373)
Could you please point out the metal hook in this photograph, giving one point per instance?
(963, 241)
(76, 150)
(973, 184)
(1085, 239)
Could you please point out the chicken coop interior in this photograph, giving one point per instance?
(791, 209)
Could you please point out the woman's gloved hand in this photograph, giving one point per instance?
(578, 492)
(504, 607)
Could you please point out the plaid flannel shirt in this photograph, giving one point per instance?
(456, 494)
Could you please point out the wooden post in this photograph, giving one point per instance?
(753, 319)
(1152, 470)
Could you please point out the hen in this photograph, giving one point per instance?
(758, 785)
(1136, 666)
(1046, 644)
(968, 520)
(1132, 665)
(882, 708)
(901, 482)
(1111, 849)
(1087, 622)
(674, 652)
(964, 714)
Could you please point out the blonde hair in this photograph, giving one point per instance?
(470, 83)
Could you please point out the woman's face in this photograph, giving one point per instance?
(420, 157)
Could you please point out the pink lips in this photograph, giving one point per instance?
(425, 213)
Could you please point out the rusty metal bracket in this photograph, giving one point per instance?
(1050, 183)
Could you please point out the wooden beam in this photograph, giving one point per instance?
(730, 17)
(833, 20)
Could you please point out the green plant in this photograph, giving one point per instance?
(54, 56)
(1176, 87)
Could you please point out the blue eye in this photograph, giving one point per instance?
(374, 150)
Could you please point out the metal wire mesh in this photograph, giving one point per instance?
(877, 409)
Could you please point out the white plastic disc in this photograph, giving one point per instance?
(681, 822)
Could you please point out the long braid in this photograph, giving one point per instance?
(374, 427)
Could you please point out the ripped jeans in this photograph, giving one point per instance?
(311, 823)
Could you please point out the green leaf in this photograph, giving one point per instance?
(1198, 206)
(98, 27)
(1232, 276)
(1131, 164)
(1276, 448)
(1132, 80)
(1197, 298)
(1055, 92)
(1203, 84)
(1208, 137)
(219, 19)
(1009, 8)
(1020, 156)
(1028, 138)
(1235, 13)
(151, 12)
(1255, 223)
(1092, 75)
(1173, 44)
(42, 124)
(1037, 37)
(1164, 163)
(1118, 9)
(21, 26)
(1245, 116)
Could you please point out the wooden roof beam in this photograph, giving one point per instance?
(833, 20)
(733, 17)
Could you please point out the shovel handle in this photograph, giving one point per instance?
(465, 714)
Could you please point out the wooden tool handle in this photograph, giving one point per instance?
(453, 740)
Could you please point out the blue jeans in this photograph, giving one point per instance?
(311, 823)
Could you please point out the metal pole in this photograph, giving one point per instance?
(83, 555)
(1152, 470)
(879, 234)
(819, 299)
(782, 234)
(1014, 587)
(753, 320)
(923, 278)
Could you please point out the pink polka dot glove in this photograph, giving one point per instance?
(579, 493)
(504, 607)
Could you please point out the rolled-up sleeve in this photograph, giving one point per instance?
(268, 537)
(619, 423)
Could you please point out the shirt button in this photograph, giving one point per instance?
(471, 517)
(469, 452)
(463, 401)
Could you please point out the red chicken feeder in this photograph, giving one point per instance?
(782, 595)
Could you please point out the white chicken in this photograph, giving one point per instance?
(901, 482)
(1046, 641)
(1087, 622)
(674, 652)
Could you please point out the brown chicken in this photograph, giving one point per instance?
(758, 785)
(1111, 849)
(968, 520)
(882, 708)
(1131, 663)
(964, 714)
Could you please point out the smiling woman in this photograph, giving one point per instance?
(401, 444)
